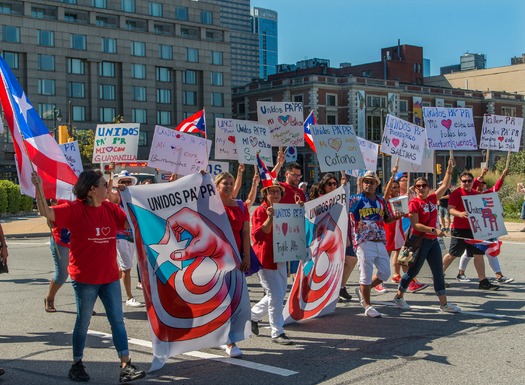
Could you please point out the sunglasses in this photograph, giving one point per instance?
(466, 180)
(125, 182)
(331, 183)
(369, 181)
(421, 185)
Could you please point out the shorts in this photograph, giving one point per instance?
(458, 246)
(125, 251)
(443, 212)
(368, 255)
(350, 252)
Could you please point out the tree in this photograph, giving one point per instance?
(517, 163)
(86, 143)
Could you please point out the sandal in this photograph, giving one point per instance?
(49, 306)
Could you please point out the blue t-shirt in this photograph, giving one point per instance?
(367, 216)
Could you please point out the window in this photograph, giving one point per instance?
(79, 113)
(46, 87)
(99, 3)
(375, 101)
(139, 94)
(128, 5)
(331, 100)
(192, 55)
(46, 62)
(331, 119)
(143, 135)
(6, 9)
(189, 77)
(10, 34)
(107, 114)
(138, 71)
(189, 98)
(216, 58)
(241, 108)
(164, 118)
(166, 52)
(163, 96)
(11, 59)
(181, 13)
(217, 79)
(403, 106)
(508, 111)
(162, 74)
(69, 1)
(139, 115)
(107, 92)
(206, 17)
(297, 98)
(78, 42)
(45, 110)
(373, 128)
(76, 90)
(138, 48)
(38, 13)
(217, 99)
(45, 38)
(76, 66)
(71, 17)
(106, 69)
(155, 9)
(109, 45)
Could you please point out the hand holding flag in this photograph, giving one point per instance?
(307, 133)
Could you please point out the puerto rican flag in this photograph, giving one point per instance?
(33, 143)
(487, 202)
(267, 176)
(194, 124)
(491, 248)
(307, 134)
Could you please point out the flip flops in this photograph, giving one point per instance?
(49, 306)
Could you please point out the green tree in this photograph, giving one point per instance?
(86, 143)
(517, 163)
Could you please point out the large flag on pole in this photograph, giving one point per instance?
(307, 134)
(194, 124)
(267, 176)
(27, 129)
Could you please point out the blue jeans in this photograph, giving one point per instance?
(111, 297)
(522, 216)
(431, 252)
(61, 260)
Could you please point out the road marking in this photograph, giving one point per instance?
(437, 309)
(208, 356)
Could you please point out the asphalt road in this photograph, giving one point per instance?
(484, 345)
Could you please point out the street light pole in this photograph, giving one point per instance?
(57, 116)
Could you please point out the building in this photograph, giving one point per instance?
(151, 62)
(467, 62)
(264, 24)
(518, 59)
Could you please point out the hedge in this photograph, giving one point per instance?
(11, 201)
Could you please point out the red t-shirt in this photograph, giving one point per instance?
(93, 253)
(237, 216)
(262, 242)
(456, 201)
(290, 193)
(427, 209)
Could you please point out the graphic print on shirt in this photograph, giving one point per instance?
(367, 219)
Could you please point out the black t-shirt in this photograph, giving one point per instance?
(444, 202)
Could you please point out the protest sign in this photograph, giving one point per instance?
(289, 239)
(337, 148)
(72, 154)
(427, 163)
(285, 121)
(250, 138)
(404, 139)
(116, 142)
(225, 147)
(178, 152)
(485, 216)
(369, 150)
(215, 167)
(450, 128)
(501, 133)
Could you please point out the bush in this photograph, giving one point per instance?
(26, 203)
(3, 198)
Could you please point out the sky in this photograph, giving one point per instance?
(355, 31)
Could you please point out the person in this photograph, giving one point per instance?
(252, 194)
(93, 222)
(521, 190)
(460, 229)
(239, 217)
(368, 214)
(3, 249)
(303, 186)
(444, 216)
(273, 276)
(424, 219)
(314, 191)
(173, 177)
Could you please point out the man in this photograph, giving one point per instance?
(368, 213)
(292, 192)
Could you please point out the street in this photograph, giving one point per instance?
(482, 345)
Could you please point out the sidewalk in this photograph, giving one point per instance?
(36, 226)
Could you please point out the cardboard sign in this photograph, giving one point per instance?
(501, 133)
(485, 216)
(250, 138)
(369, 150)
(225, 147)
(72, 153)
(404, 139)
(216, 167)
(178, 152)
(116, 142)
(285, 120)
(289, 238)
(450, 128)
(427, 163)
(337, 148)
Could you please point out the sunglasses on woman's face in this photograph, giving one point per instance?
(421, 185)
(331, 183)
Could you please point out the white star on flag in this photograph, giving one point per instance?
(165, 251)
(23, 104)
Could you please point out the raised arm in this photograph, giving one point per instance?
(280, 161)
(252, 195)
(388, 186)
(446, 180)
(238, 181)
(43, 207)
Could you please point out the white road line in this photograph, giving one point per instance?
(472, 313)
(208, 356)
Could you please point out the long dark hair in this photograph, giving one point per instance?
(86, 180)
(324, 180)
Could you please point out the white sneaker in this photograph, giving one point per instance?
(139, 286)
(233, 351)
(133, 302)
(401, 303)
(372, 313)
(450, 308)
(359, 297)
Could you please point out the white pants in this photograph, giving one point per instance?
(125, 251)
(493, 262)
(274, 283)
(368, 255)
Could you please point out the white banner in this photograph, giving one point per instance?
(225, 147)
(501, 133)
(450, 128)
(250, 138)
(485, 216)
(289, 238)
(404, 139)
(370, 151)
(285, 120)
(116, 142)
(72, 154)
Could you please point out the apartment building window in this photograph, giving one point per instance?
(403, 106)
(45, 38)
(181, 13)
(138, 48)
(138, 71)
(164, 118)
(46, 87)
(216, 58)
(10, 34)
(155, 9)
(508, 111)
(76, 66)
(139, 115)
(241, 108)
(45, 110)
(217, 99)
(163, 74)
(79, 113)
(11, 58)
(373, 128)
(331, 119)
(107, 69)
(45, 62)
(107, 92)
(109, 45)
(128, 6)
(189, 77)
(297, 98)
(99, 4)
(192, 55)
(78, 42)
(217, 79)
(163, 96)
(206, 17)
(107, 114)
(139, 94)
(69, 1)
(189, 98)
(375, 101)
(143, 136)
(38, 13)
(166, 52)
(76, 90)
(331, 100)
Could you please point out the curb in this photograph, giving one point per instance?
(31, 235)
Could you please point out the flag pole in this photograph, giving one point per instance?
(508, 159)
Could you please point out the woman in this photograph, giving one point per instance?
(93, 222)
(273, 276)
(239, 217)
(423, 219)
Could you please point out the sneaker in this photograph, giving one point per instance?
(486, 285)
(343, 294)
(372, 313)
(502, 280)
(415, 286)
(381, 289)
(462, 278)
(255, 328)
(133, 302)
(358, 294)
(401, 303)
(396, 278)
(77, 372)
(282, 340)
(131, 373)
(450, 308)
(233, 351)
(139, 286)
